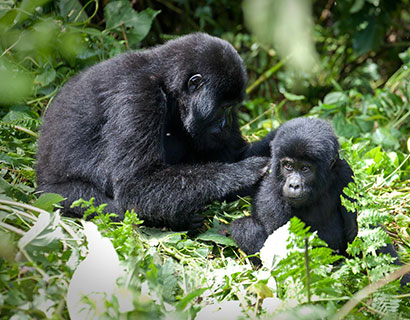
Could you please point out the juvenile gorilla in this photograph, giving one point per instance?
(152, 131)
(306, 181)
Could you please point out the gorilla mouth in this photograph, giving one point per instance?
(297, 200)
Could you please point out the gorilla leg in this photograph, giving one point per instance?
(249, 234)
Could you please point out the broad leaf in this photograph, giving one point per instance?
(121, 18)
(47, 201)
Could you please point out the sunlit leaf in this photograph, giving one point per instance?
(46, 232)
(15, 84)
(47, 201)
(383, 136)
(293, 97)
(334, 98)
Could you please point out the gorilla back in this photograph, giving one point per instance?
(152, 131)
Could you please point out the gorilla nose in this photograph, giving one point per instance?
(294, 190)
(294, 186)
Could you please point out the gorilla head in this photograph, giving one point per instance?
(207, 77)
(304, 153)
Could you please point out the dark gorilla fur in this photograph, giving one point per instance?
(313, 141)
(140, 131)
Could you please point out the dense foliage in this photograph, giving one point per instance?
(362, 86)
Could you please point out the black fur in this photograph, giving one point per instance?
(140, 132)
(313, 141)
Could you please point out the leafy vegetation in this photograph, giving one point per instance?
(362, 86)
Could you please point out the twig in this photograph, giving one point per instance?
(11, 47)
(242, 301)
(124, 35)
(373, 287)
(25, 130)
(21, 205)
(170, 6)
(266, 75)
(326, 11)
(258, 117)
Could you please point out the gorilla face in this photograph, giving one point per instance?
(298, 181)
(209, 82)
(208, 111)
(304, 154)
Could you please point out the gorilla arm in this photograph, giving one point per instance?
(268, 214)
(171, 195)
(249, 234)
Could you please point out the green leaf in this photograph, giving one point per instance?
(167, 280)
(16, 114)
(47, 201)
(188, 298)
(4, 186)
(333, 98)
(72, 9)
(344, 127)
(262, 290)
(364, 124)
(44, 233)
(5, 6)
(368, 39)
(14, 84)
(357, 6)
(4, 158)
(385, 137)
(120, 17)
(46, 77)
(293, 97)
(214, 236)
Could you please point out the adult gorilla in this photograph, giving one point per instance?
(152, 131)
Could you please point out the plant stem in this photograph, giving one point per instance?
(11, 228)
(307, 269)
(265, 76)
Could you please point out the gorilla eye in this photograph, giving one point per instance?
(194, 81)
(305, 169)
(287, 165)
